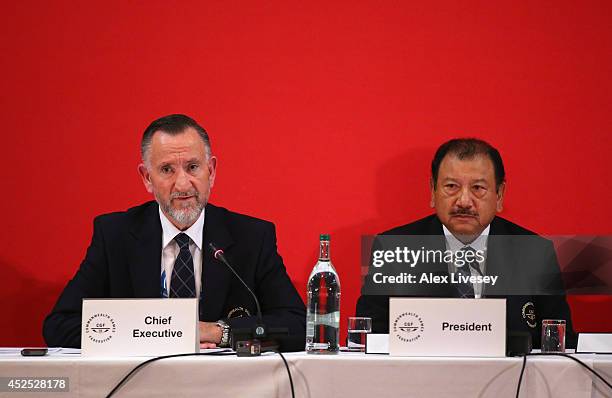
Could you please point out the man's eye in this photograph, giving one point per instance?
(479, 190)
(194, 167)
(450, 186)
(166, 169)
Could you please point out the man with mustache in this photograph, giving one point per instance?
(161, 248)
(467, 191)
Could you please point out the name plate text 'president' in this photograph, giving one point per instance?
(139, 327)
(447, 327)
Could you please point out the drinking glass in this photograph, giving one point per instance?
(358, 328)
(553, 335)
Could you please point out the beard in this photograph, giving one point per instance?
(188, 213)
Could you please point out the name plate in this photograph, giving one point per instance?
(447, 327)
(598, 343)
(139, 327)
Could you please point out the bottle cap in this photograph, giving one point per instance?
(324, 237)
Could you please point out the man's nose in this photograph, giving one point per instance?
(465, 198)
(182, 183)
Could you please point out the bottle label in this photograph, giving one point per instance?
(330, 319)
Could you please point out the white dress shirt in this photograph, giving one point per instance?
(170, 249)
(480, 243)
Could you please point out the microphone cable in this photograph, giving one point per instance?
(559, 354)
(143, 364)
(216, 353)
(288, 373)
(518, 387)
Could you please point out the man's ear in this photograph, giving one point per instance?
(212, 170)
(432, 202)
(146, 177)
(501, 191)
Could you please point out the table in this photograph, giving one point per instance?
(343, 375)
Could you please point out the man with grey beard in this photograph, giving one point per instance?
(160, 248)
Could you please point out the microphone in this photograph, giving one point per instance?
(260, 330)
(252, 341)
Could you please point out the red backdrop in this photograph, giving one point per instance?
(324, 116)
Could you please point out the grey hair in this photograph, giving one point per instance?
(173, 125)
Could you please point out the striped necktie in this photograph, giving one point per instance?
(466, 290)
(182, 283)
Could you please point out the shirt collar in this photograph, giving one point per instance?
(480, 243)
(169, 231)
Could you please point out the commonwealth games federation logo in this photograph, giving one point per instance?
(100, 328)
(408, 327)
(529, 315)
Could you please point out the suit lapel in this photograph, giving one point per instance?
(145, 255)
(216, 278)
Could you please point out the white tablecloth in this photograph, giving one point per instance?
(343, 375)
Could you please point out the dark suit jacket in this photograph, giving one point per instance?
(124, 261)
(529, 277)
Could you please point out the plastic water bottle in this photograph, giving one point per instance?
(323, 312)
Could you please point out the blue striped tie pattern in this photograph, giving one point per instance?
(466, 290)
(182, 283)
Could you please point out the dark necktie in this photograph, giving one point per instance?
(466, 290)
(182, 283)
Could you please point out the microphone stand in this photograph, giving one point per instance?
(249, 341)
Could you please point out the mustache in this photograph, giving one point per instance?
(463, 212)
(185, 194)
